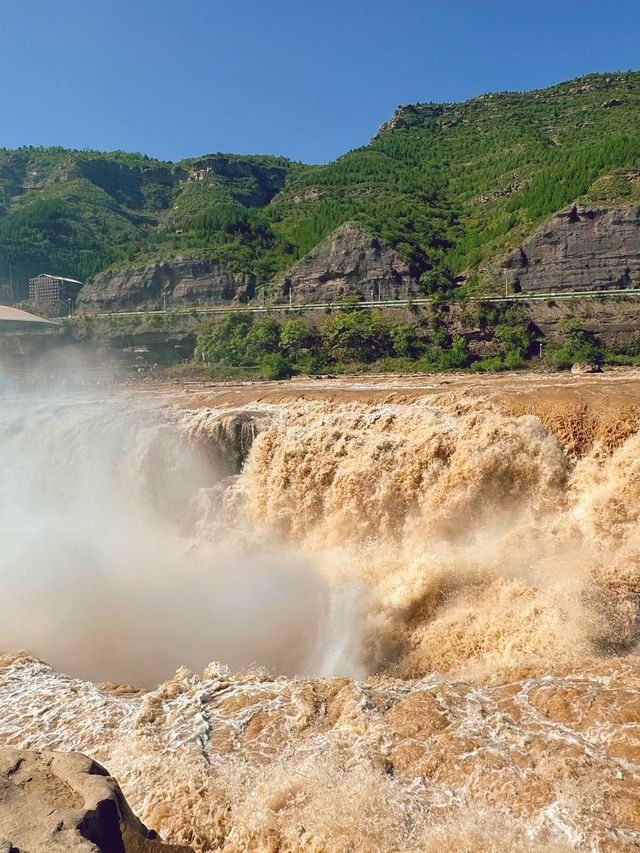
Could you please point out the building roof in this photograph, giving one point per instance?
(58, 277)
(10, 315)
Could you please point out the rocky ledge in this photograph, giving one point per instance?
(66, 802)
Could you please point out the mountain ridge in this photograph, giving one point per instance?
(449, 188)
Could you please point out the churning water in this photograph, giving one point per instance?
(435, 607)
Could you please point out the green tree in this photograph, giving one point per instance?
(406, 341)
(298, 338)
(263, 337)
(276, 366)
(356, 336)
(225, 341)
(514, 340)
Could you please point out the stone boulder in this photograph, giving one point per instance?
(66, 802)
(586, 368)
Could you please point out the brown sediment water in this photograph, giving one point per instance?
(470, 678)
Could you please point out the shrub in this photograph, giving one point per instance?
(263, 337)
(406, 340)
(224, 341)
(557, 358)
(276, 366)
(514, 340)
(488, 365)
(356, 336)
(584, 348)
(298, 338)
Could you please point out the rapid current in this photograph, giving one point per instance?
(407, 626)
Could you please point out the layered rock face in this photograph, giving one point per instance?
(615, 322)
(349, 261)
(186, 281)
(65, 801)
(580, 250)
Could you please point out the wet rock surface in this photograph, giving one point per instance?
(581, 368)
(66, 801)
(225, 436)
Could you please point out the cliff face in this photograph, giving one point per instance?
(185, 281)
(581, 249)
(349, 261)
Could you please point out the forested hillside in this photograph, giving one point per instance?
(449, 186)
(78, 212)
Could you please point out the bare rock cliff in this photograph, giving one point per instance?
(182, 281)
(66, 802)
(580, 250)
(349, 261)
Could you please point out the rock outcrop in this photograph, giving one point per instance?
(582, 368)
(579, 249)
(183, 281)
(252, 183)
(67, 802)
(614, 322)
(349, 261)
(226, 438)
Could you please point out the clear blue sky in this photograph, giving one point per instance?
(306, 79)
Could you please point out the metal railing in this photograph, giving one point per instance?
(378, 303)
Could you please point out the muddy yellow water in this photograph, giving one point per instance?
(474, 683)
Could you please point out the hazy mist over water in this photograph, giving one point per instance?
(102, 569)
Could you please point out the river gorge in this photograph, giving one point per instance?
(351, 614)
